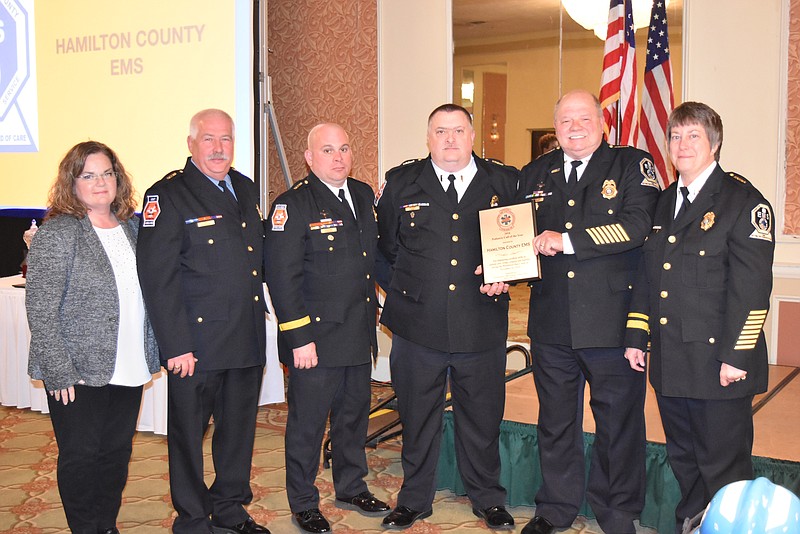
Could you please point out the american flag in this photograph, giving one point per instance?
(657, 98)
(618, 81)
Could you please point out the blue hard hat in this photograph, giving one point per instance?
(752, 507)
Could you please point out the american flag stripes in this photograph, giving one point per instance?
(657, 96)
(618, 80)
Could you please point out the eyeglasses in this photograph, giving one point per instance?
(91, 177)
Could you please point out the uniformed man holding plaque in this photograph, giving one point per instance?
(447, 325)
(702, 294)
(594, 206)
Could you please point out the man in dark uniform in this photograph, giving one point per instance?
(199, 258)
(594, 207)
(319, 258)
(445, 323)
(702, 293)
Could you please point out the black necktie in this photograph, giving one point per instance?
(572, 179)
(343, 198)
(451, 192)
(685, 204)
(227, 192)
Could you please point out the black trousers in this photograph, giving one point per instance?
(344, 393)
(420, 376)
(231, 395)
(709, 445)
(95, 438)
(616, 482)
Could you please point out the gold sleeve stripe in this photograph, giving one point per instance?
(607, 234)
(297, 323)
(635, 315)
(639, 325)
(751, 330)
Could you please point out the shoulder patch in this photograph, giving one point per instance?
(761, 219)
(173, 174)
(151, 211)
(279, 217)
(648, 171)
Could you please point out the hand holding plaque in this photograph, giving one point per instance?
(507, 236)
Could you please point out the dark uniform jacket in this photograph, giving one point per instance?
(433, 298)
(319, 263)
(582, 299)
(199, 257)
(703, 290)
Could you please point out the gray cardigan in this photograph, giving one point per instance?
(73, 305)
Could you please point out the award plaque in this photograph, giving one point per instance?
(507, 244)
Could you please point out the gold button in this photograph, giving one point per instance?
(330, 249)
(367, 299)
(568, 225)
(249, 248)
(664, 294)
(255, 273)
(454, 262)
(611, 212)
(364, 254)
(404, 292)
(455, 216)
(368, 277)
(412, 224)
(452, 287)
(712, 340)
(663, 320)
(317, 319)
(199, 319)
(331, 238)
(570, 202)
(210, 241)
(702, 252)
(630, 286)
(667, 266)
(412, 214)
(256, 298)
(244, 225)
(455, 238)
(570, 274)
(671, 239)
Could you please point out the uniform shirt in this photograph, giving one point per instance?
(463, 177)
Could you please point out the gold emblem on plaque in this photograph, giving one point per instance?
(708, 221)
(609, 190)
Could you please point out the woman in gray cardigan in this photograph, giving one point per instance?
(91, 342)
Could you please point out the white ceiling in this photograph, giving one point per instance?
(483, 19)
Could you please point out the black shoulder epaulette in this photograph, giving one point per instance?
(173, 174)
(496, 161)
(412, 160)
(738, 178)
(407, 162)
(300, 183)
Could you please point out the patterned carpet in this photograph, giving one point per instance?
(29, 501)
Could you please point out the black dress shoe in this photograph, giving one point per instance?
(403, 517)
(249, 526)
(539, 525)
(496, 518)
(365, 503)
(312, 520)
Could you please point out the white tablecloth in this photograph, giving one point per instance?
(17, 388)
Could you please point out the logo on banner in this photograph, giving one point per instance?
(17, 62)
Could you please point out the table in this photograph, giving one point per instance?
(18, 389)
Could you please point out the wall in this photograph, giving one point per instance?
(324, 67)
(535, 83)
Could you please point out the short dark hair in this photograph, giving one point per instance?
(450, 108)
(698, 113)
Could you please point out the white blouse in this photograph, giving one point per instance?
(130, 368)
